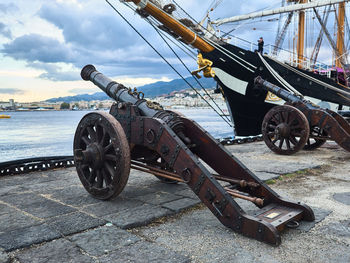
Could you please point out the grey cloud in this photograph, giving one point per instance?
(98, 30)
(60, 76)
(5, 31)
(11, 91)
(54, 72)
(35, 47)
(8, 8)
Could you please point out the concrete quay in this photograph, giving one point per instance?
(49, 217)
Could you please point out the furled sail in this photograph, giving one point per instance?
(280, 10)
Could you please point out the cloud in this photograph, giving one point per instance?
(5, 31)
(8, 8)
(55, 72)
(36, 47)
(86, 27)
(11, 91)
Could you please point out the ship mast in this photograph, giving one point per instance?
(301, 35)
(340, 35)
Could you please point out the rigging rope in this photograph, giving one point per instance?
(165, 60)
(157, 30)
(154, 25)
(281, 80)
(229, 53)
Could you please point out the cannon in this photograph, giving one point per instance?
(300, 124)
(140, 134)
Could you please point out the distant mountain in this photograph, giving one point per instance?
(161, 87)
(150, 90)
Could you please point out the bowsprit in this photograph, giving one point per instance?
(139, 134)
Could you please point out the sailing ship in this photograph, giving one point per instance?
(234, 68)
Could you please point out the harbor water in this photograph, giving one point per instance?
(30, 134)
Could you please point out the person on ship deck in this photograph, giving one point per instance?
(260, 45)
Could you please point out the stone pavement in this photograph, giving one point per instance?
(49, 217)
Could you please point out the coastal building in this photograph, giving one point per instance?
(39, 105)
(10, 105)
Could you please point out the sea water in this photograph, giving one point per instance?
(30, 134)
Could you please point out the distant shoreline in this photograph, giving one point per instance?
(175, 107)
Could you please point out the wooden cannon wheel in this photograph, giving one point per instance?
(101, 155)
(285, 129)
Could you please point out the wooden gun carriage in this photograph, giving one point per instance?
(300, 124)
(139, 134)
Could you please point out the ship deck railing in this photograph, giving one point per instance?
(284, 55)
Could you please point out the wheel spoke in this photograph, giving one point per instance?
(288, 144)
(92, 134)
(280, 116)
(99, 133)
(99, 182)
(271, 126)
(273, 118)
(108, 147)
(104, 137)
(296, 126)
(92, 176)
(293, 140)
(107, 177)
(281, 143)
(288, 117)
(111, 157)
(86, 140)
(109, 169)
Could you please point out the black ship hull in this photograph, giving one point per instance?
(236, 69)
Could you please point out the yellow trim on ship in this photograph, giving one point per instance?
(3, 116)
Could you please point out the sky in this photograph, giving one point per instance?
(44, 44)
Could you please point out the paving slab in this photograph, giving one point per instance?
(137, 216)
(74, 223)
(37, 205)
(342, 198)
(25, 237)
(187, 193)
(181, 204)
(75, 196)
(57, 251)
(14, 219)
(145, 251)
(158, 198)
(113, 206)
(103, 240)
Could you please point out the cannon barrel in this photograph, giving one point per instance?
(279, 92)
(120, 93)
(116, 91)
